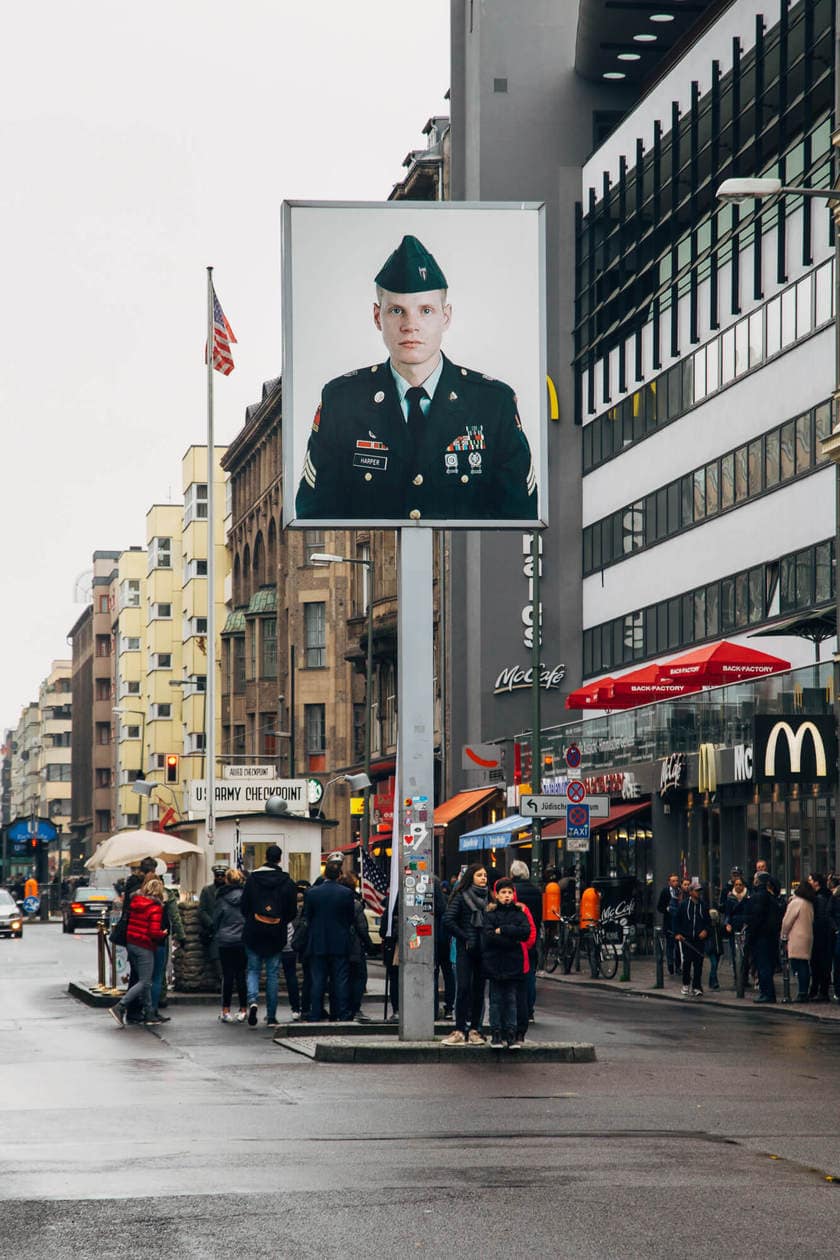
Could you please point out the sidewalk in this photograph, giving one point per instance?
(643, 979)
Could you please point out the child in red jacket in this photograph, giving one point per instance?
(143, 935)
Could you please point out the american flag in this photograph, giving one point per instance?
(222, 338)
(374, 884)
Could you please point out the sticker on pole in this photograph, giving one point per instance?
(575, 792)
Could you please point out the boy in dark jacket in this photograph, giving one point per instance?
(506, 930)
(693, 926)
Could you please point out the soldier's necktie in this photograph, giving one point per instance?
(415, 418)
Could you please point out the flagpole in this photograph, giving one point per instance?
(210, 682)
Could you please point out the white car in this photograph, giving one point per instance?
(11, 918)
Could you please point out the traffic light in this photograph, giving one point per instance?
(171, 767)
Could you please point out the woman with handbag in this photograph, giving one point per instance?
(229, 925)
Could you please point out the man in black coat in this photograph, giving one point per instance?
(269, 905)
(416, 437)
(763, 928)
(329, 913)
(693, 924)
(527, 894)
(668, 906)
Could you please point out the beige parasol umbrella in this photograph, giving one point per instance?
(132, 846)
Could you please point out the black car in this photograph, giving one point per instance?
(89, 907)
(11, 915)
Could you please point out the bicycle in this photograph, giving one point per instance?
(562, 946)
(603, 953)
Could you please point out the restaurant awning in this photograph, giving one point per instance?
(495, 835)
(462, 803)
(617, 815)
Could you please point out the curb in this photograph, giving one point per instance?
(356, 1051)
(662, 995)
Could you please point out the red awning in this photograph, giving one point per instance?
(617, 815)
(462, 803)
(725, 662)
(643, 686)
(587, 697)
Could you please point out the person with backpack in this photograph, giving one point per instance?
(269, 904)
(229, 924)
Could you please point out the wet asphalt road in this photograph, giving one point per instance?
(697, 1132)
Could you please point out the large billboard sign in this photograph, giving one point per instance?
(414, 365)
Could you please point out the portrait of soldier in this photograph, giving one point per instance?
(416, 437)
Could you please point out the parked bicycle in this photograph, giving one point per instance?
(603, 945)
(562, 945)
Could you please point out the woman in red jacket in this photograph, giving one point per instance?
(143, 935)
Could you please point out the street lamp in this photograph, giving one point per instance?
(325, 558)
(738, 190)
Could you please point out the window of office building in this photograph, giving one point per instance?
(313, 542)
(315, 635)
(103, 733)
(103, 820)
(315, 736)
(786, 451)
(103, 645)
(160, 553)
(720, 608)
(195, 502)
(239, 662)
(130, 593)
(268, 627)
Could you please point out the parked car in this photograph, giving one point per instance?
(88, 907)
(11, 918)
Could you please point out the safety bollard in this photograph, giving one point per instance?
(740, 964)
(625, 958)
(100, 956)
(785, 964)
(112, 958)
(658, 958)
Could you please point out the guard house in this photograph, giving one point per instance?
(250, 834)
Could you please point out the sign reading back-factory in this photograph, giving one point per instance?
(794, 749)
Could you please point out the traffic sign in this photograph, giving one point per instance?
(576, 792)
(577, 822)
(31, 905)
(543, 806)
(558, 806)
(576, 846)
(573, 756)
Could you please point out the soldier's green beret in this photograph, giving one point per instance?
(411, 269)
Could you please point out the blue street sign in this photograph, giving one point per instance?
(31, 905)
(577, 822)
(32, 829)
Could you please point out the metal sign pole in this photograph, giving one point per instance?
(414, 836)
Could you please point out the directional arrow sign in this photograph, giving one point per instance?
(556, 806)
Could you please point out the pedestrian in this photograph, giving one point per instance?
(823, 946)
(389, 933)
(360, 946)
(798, 931)
(506, 929)
(834, 913)
(330, 914)
(763, 929)
(464, 919)
(714, 946)
(667, 905)
(174, 926)
(299, 936)
(140, 875)
(144, 933)
(206, 906)
(229, 927)
(443, 954)
(527, 894)
(269, 905)
(693, 926)
(736, 913)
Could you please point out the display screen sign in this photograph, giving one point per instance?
(414, 365)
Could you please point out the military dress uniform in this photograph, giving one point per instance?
(469, 460)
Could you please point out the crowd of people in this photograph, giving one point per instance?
(804, 928)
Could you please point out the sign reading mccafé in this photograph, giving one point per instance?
(794, 749)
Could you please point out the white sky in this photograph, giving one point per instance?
(142, 143)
